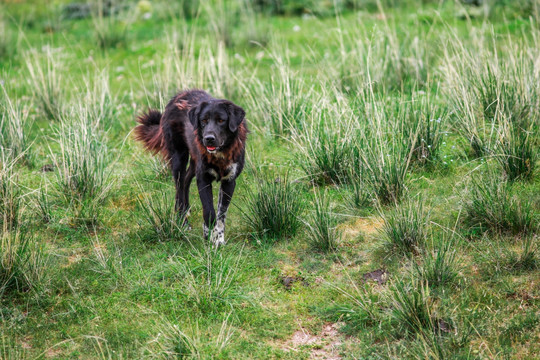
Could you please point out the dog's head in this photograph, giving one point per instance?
(216, 122)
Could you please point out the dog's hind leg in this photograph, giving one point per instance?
(225, 195)
(190, 174)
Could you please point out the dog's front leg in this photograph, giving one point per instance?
(225, 195)
(204, 185)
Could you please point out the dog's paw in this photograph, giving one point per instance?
(218, 238)
(218, 234)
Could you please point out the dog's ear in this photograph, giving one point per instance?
(236, 116)
(194, 113)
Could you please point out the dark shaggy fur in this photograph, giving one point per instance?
(209, 134)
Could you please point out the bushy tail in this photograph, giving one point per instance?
(149, 131)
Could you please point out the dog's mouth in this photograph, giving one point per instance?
(211, 148)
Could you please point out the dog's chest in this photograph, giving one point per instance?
(227, 173)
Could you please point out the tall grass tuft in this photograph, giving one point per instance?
(516, 152)
(44, 204)
(431, 345)
(255, 31)
(327, 150)
(380, 58)
(14, 128)
(222, 17)
(272, 211)
(405, 228)
(110, 31)
(182, 9)
(161, 216)
(493, 207)
(281, 105)
(412, 307)
(191, 62)
(191, 340)
(101, 102)
(21, 261)
(360, 195)
(386, 166)
(159, 168)
(528, 258)
(82, 161)
(210, 277)
(464, 80)
(10, 193)
(364, 308)
(384, 148)
(45, 81)
(8, 40)
(494, 92)
(322, 233)
(438, 266)
(424, 124)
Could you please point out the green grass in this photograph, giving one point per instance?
(493, 206)
(273, 211)
(109, 29)
(405, 228)
(439, 266)
(163, 221)
(412, 307)
(516, 152)
(45, 81)
(327, 151)
(82, 176)
(10, 192)
(343, 101)
(322, 233)
(22, 263)
(14, 129)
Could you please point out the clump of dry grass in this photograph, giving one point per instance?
(44, 69)
(83, 176)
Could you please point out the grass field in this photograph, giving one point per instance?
(389, 206)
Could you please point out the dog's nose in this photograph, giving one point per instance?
(209, 139)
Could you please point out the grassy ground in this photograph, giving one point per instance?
(408, 135)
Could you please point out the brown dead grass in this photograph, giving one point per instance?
(367, 226)
(72, 259)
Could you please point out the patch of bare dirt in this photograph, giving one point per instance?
(26, 342)
(53, 353)
(324, 345)
(72, 259)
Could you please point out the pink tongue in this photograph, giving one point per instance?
(211, 148)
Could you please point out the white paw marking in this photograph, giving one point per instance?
(218, 234)
(205, 231)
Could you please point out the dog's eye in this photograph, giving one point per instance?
(205, 120)
(221, 121)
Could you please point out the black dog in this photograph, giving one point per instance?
(211, 135)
